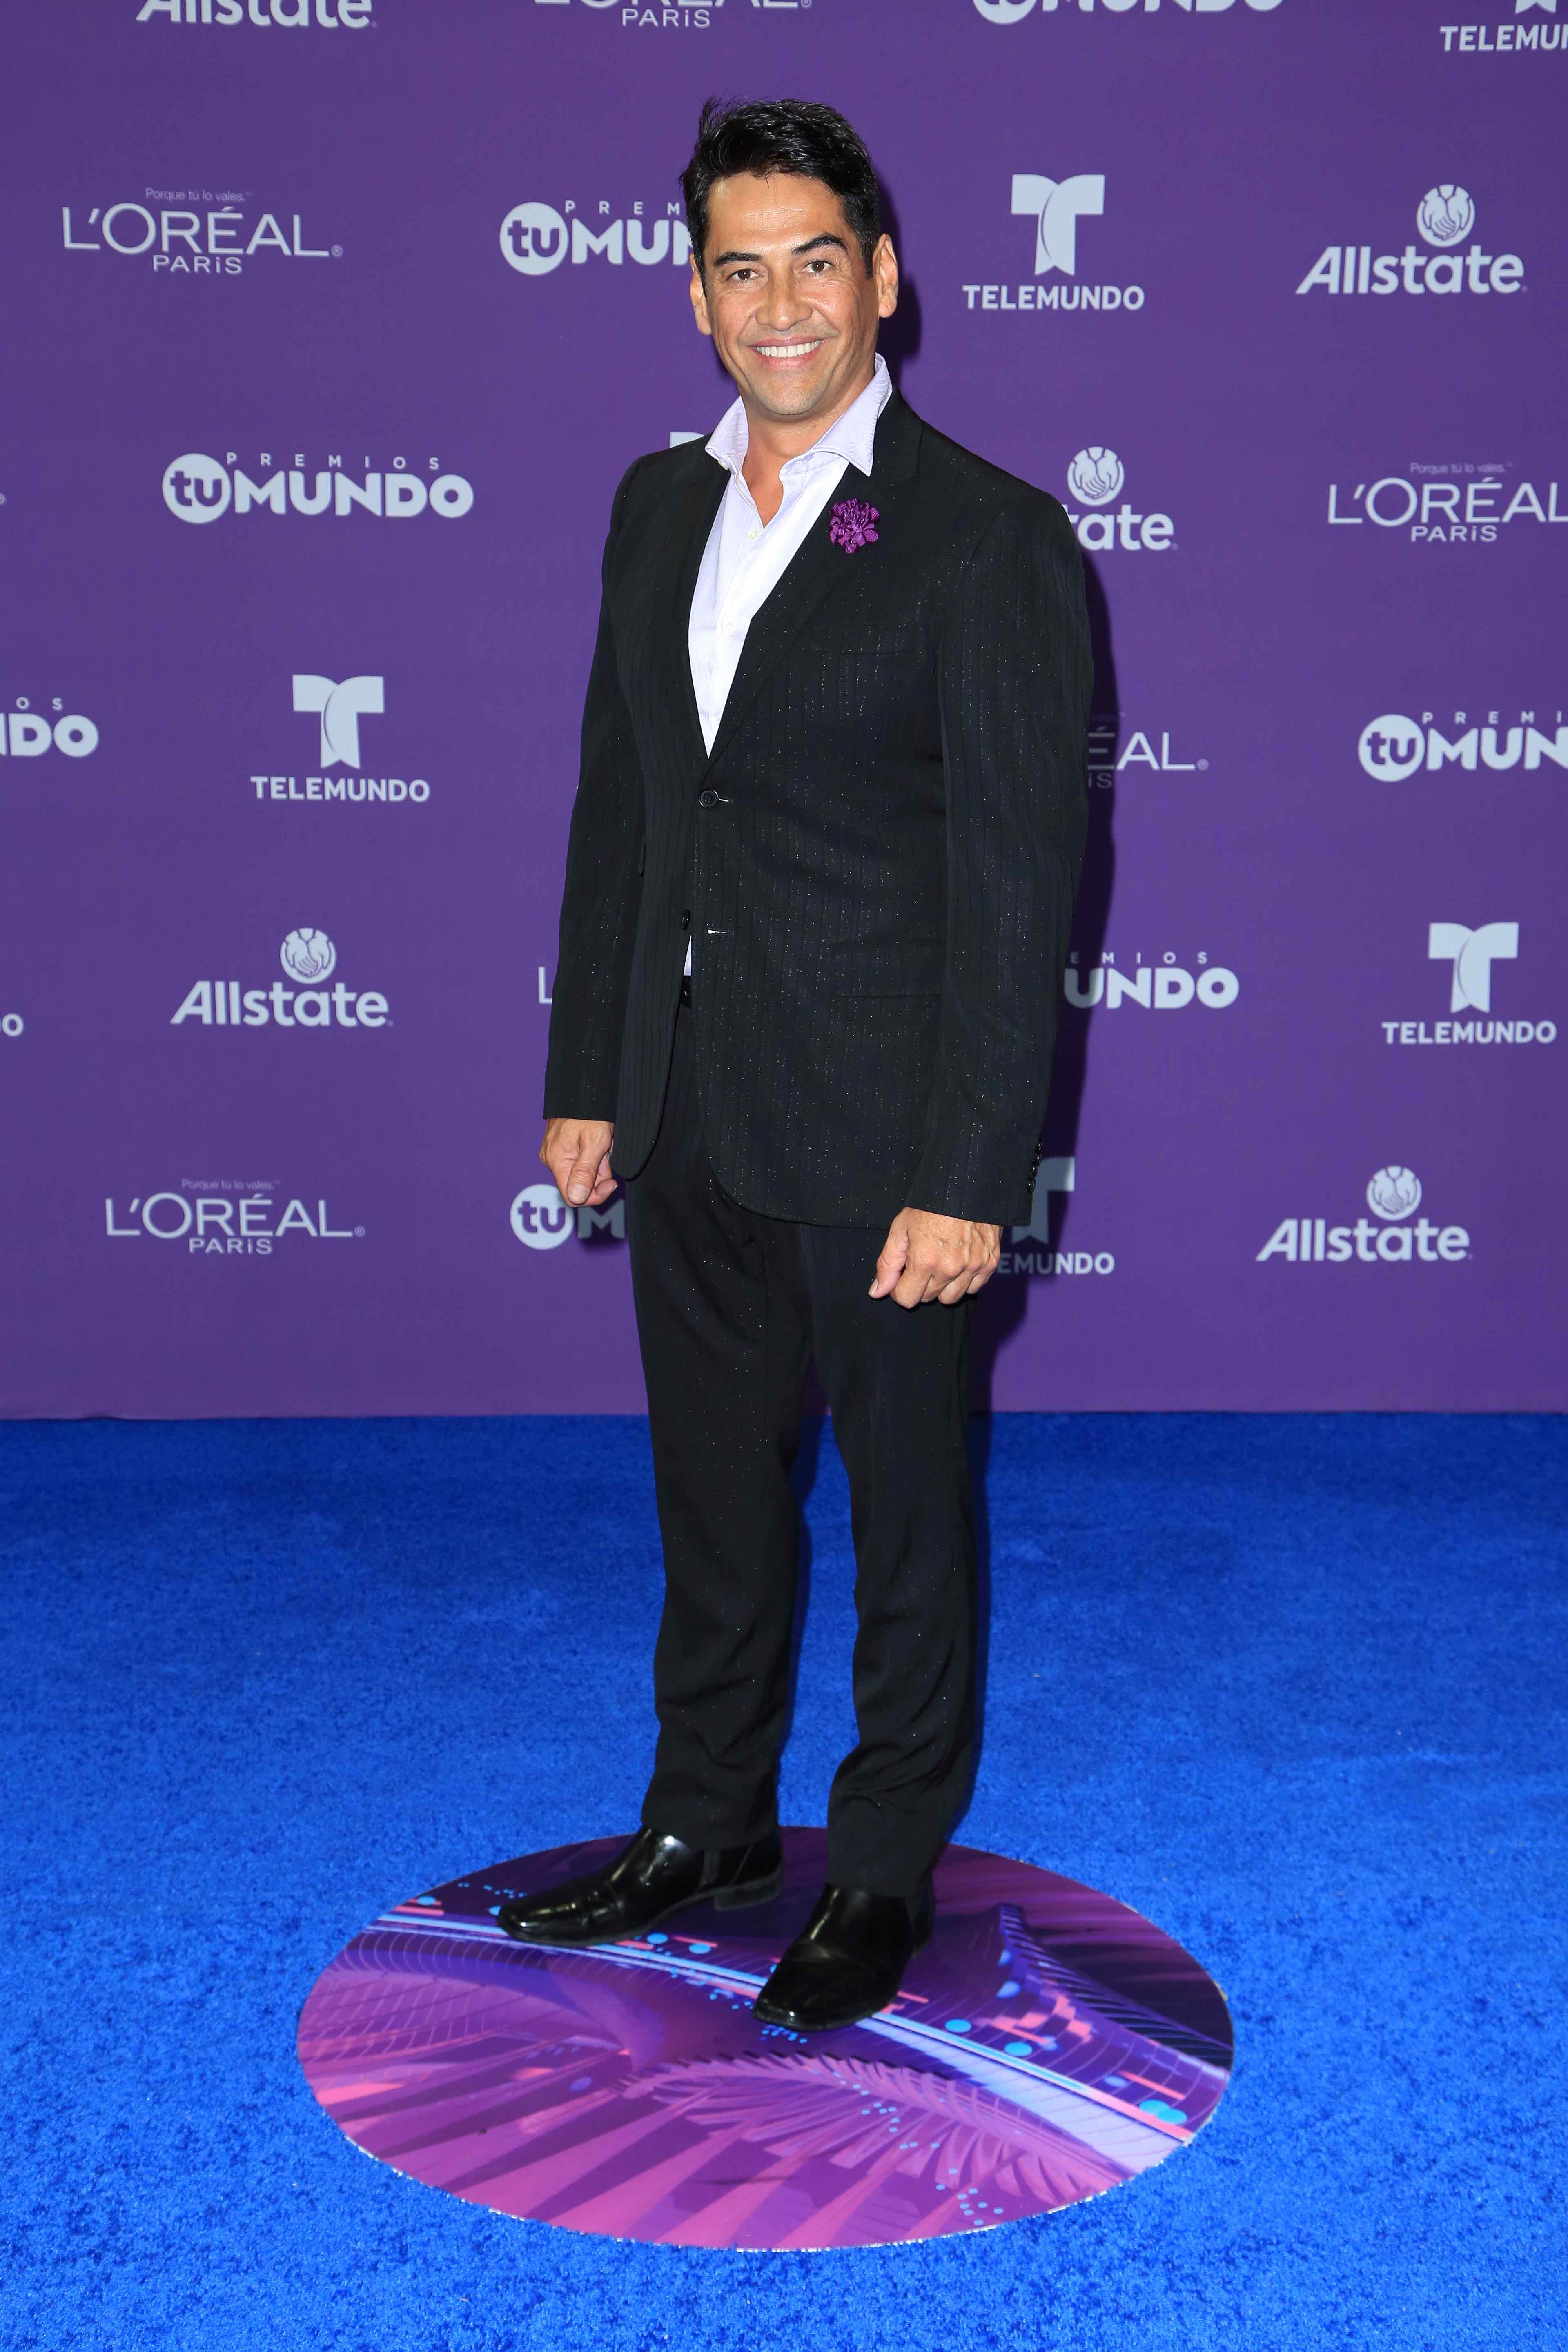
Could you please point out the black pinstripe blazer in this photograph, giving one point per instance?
(876, 866)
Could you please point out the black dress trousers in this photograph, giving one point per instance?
(730, 1307)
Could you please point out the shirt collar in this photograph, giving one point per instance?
(851, 436)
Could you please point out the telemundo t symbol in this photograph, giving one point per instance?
(339, 706)
(1056, 205)
(1472, 954)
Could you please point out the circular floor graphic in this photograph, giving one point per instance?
(1048, 2044)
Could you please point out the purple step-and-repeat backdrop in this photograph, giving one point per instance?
(333, 324)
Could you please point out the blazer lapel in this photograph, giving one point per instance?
(696, 505)
(818, 567)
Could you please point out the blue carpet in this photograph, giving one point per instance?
(1293, 1687)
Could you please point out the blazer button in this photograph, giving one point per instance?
(708, 800)
(686, 918)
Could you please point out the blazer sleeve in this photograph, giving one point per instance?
(604, 885)
(1014, 673)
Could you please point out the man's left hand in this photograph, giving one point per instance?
(926, 1256)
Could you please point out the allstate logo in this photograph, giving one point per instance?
(1446, 214)
(195, 488)
(1094, 476)
(541, 1218)
(308, 956)
(533, 239)
(1394, 1193)
(1392, 748)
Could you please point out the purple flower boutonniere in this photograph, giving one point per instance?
(854, 525)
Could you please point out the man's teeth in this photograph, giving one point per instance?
(788, 350)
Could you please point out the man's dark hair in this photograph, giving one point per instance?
(784, 134)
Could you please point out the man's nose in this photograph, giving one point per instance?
(781, 307)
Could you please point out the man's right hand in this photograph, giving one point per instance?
(577, 1153)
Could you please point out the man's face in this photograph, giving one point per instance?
(787, 297)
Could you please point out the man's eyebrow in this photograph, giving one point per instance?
(720, 260)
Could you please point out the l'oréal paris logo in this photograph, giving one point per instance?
(222, 1220)
(1446, 504)
(190, 232)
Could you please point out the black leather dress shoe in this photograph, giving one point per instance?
(849, 1959)
(648, 1881)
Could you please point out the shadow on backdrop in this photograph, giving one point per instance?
(1001, 1306)
(900, 338)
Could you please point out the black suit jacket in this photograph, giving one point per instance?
(877, 863)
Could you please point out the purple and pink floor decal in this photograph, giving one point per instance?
(1047, 2044)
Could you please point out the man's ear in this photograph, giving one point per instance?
(885, 270)
(699, 299)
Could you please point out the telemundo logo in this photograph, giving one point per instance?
(339, 705)
(198, 489)
(1054, 1175)
(1055, 207)
(1470, 950)
(1502, 40)
(1471, 953)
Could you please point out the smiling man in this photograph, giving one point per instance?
(821, 873)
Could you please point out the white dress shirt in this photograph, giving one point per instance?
(746, 558)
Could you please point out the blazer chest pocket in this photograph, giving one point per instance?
(862, 643)
(886, 967)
